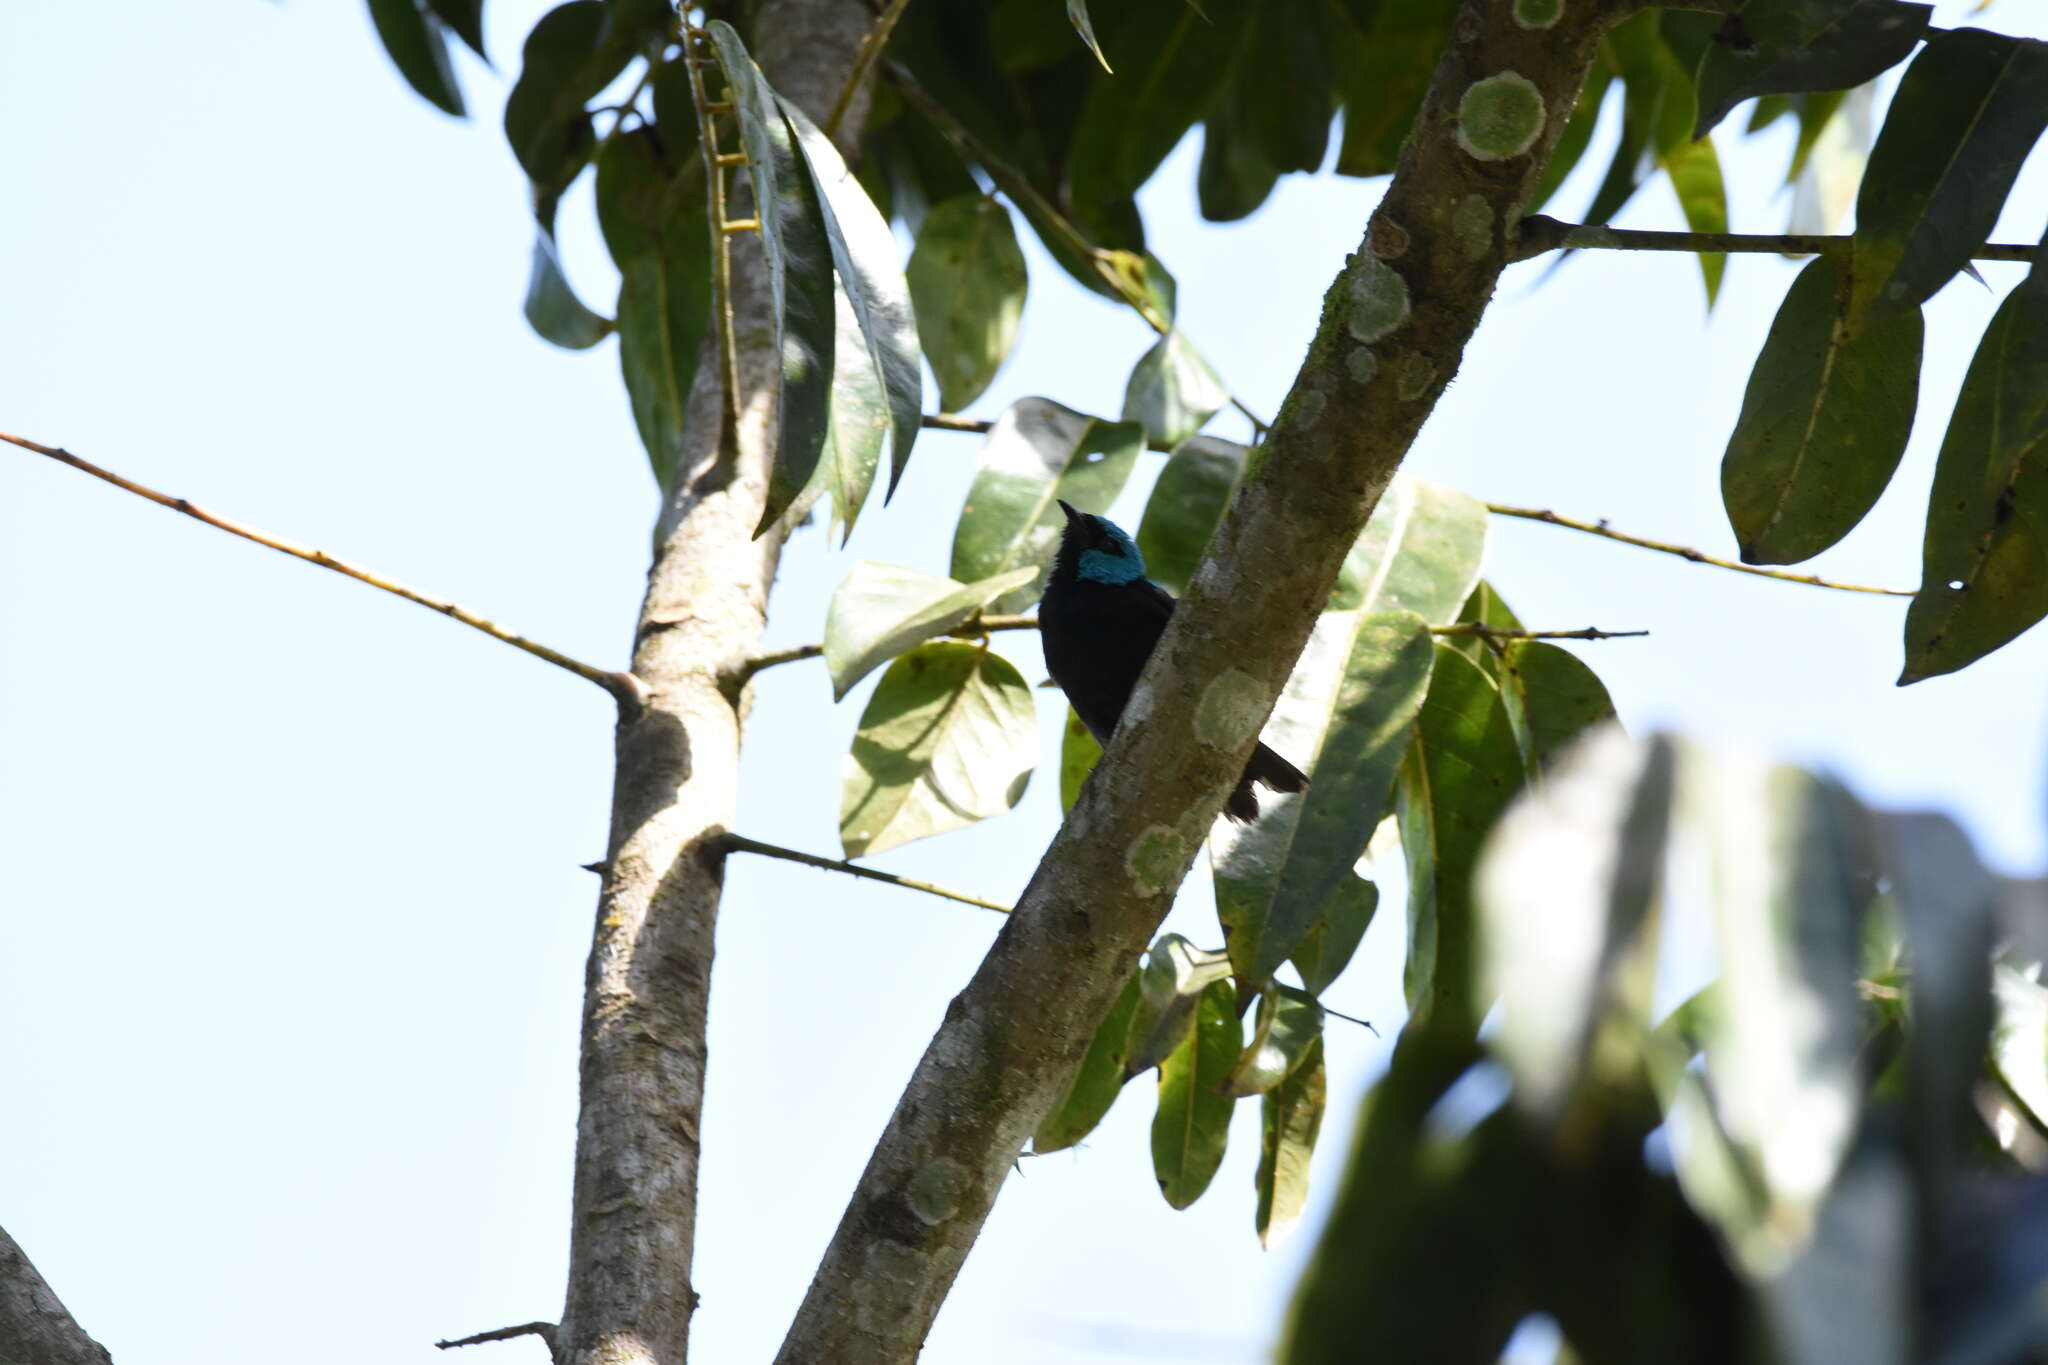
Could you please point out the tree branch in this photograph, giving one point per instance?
(544, 1330)
(623, 686)
(740, 843)
(34, 1324)
(1540, 233)
(1394, 327)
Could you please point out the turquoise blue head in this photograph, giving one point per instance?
(1099, 549)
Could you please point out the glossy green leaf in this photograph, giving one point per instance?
(1327, 948)
(1345, 716)
(967, 282)
(1172, 390)
(880, 610)
(1850, 48)
(571, 54)
(1186, 502)
(1384, 88)
(1291, 1117)
(1824, 420)
(465, 19)
(873, 285)
(2019, 1036)
(1037, 454)
(1077, 15)
(1289, 1023)
(947, 739)
(1552, 698)
(1078, 755)
(1171, 979)
(1462, 768)
(1097, 1081)
(1984, 574)
(1192, 1124)
(1967, 112)
(1420, 552)
(418, 45)
(552, 307)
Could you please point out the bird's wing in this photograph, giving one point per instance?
(1151, 598)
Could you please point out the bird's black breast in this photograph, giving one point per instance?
(1097, 639)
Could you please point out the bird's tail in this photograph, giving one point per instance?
(1269, 768)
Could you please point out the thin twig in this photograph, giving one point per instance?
(870, 48)
(623, 686)
(740, 843)
(972, 629)
(953, 421)
(1541, 233)
(1486, 632)
(1347, 1018)
(544, 1330)
(1684, 551)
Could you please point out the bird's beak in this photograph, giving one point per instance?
(1068, 508)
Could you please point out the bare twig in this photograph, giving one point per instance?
(1686, 552)
(740, 843)
(544, 1330)
(1541, 233)
(1486, 632)
(953, 421)
(1347, 1018)
(870, 48)
(621, 685)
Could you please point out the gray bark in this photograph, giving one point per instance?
(35, 1328)
(1394, 326)
(677, 776)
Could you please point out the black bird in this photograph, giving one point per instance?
(1100, 619)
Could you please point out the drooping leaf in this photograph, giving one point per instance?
(1984, 564)
(418, 44)
(1172, 390)
(1097, 1081)
(571, 54)
(1420, 552)
(465, 19)
(1171, 979)
(1291, 1117)
(1192, 1124)
(1186, 503)
(1824, 420)
(1286, 85)
(856, 427)
(1288, 1025)
(1037, 454)
(947, 739)
(880, 610)
(1234, 177)
(552, 307)
(1853, 46)
(968, 282)
(1967, 112)
(1384, 88)
(1078, 755)
(1552, 698)
(1326, 949)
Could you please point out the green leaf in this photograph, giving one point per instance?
(1967, 112)
(1984, 574)
(880, 610)
(1695, 171)
(1852, 47)
(1420, 552)
(1291, 1116)
(864, 257)
(1234, 177)
(947, 739)
(1462, 768)
(1170, 981)
(1078, 754)
(464, 18)
(570, 55)
(1186, 503)
(1285, 86)
(1289, 1024)
(856, 426)
(1172, 390)
(1552, 697)
(1345, 715)
(1192, 1124)
(1077, 15)
(1824, 420)
(1097, 1082)
(1037, 454)
(1384, 87)
(967, 283)
(552, 307)
(1487, 608)
(1326, 949)
(419, 49)
(2019, 1036)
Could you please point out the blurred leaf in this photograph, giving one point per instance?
(1552, 697)
(1967, 112)
(1345, 715)
(967, 281)
(1185, 504)
(419, 49)
(1287, 97)
(1326, 949)
(1078, 754)
(1849, 1294)
(552, 306)
(1855, 45)
(1288, 1026)
(1170, 980)
(1462, 768)
(1829, 159)
(465, 18)
(1420, 552)
(1984, 574)
(880, 610)
(572, 53)
(1824, 419)
(1291, 1117)
(1657, 118)
(1172, 390)
(1695, 171)
(1077, 15)
(1192, 1124)
(947, 739)
(1578, 132)
(2019, 1036)
(1234, 177)
(1097, 1081)
(1037, 454)
(1814, 113)
(1384, 88)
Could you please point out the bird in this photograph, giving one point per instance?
(1099, 620)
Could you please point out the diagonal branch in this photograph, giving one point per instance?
(34, 1324)
(1541, 233)
(740, 843)
(623, 686)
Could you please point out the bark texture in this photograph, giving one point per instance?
(35, 1328)
(1394, 326)
(677, 780)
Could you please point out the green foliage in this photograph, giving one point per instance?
(415, 37)
(1781, 58)
(1290, 1119)
(881, 610)
(1097, 1080)
(1172, 391)
(968, 282)
(1192, 1124)
(1187, 501)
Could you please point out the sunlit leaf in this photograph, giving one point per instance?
(1192, 1124)
(1170, 980)
(1420, 552)
(968, 281)
(1291, 1116)
(1079, 752)
(1077, 15)
(2019, 1036)
(1288, 1025)
(880, 610)
(1552, 697)
(1097, 1081)
(1172, 390)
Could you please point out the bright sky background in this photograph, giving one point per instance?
(291, 924)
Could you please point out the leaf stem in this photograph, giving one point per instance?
(1540, 234)
(740, 843)
(870, 48)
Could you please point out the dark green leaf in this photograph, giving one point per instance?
(1170, 980)
(1284, 86)
(552, 306)
(1172, 390)
(947, 739)
(1855, 45)
(1984, 575)
(1967, 112)
(1234, 177)
(1097, 1082)
(1291, 1116)
(1037, 454)
(419, 48)
(1551, 696)
(1824, 420)
(967, 282)
(1192, 1124)
(1289, 1024)
(1384, 88)
(464, 18)
(1185, 505)
(1325, 951)
(1078, 753)
(880, 610)
(571, 54)
(1420, 552)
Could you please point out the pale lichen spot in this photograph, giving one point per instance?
(1379, 299)
(1155, 858)
(1538, 13)
(1472, 226)
(1416, 374)
(891, 1264)
(1308, 407)
(935, 1192)
(1361, 364)
(1500, 117)
(1233, 707)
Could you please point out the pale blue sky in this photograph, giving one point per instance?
(291, 925)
